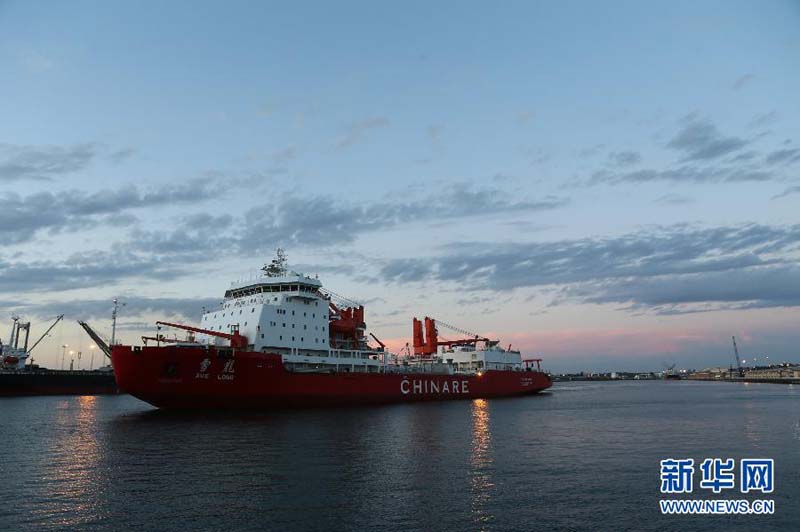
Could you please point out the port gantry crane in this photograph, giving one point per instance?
(738, 360)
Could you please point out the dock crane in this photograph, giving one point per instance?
(59, 318)
(95, 336)
(738, 360)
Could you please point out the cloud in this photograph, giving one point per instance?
(21, 217)
(699, 140)
(761, 287)
(791, 190)
(434, 132)
(763, 119)
(673, 199)
(743, 80)
(100, 309)
(706, 156)
(625, 158)
(42, 163)
(122, 155)
(591, 151)
(594, 270)
(357, 131)
(324, 221)
(684, 174)
(284, 155)
(524, 118)
(784, 156)
(88, 269)
(176, 251)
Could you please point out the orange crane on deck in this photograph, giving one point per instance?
(237, 340)
(427, 344)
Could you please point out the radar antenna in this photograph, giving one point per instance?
(278, 266)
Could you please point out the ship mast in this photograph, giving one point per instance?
(114, 322)
(278, 266)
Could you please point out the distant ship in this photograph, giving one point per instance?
(281, 340)
(670, 374)
(18, 377)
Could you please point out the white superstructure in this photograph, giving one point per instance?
(287, 314)
(467, 358)
(14, 355)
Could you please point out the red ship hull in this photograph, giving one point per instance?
(196, 377)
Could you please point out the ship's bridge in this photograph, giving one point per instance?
(294, 282)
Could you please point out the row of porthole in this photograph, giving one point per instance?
(305, 327)
(272, 323)
(279, 311)
(227, 305)
(302, 339)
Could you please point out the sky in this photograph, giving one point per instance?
(609, 186)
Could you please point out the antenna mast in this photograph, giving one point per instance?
(278, 266)
(114, 322)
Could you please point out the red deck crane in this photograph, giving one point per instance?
(427, 344)
(237, 340)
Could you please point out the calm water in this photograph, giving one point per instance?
(584, 457)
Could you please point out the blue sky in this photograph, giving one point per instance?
(607, 185)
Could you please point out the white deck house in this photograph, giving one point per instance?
(289, 315)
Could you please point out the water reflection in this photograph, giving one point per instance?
(752, 417)
(72, 463)
(481, 463)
